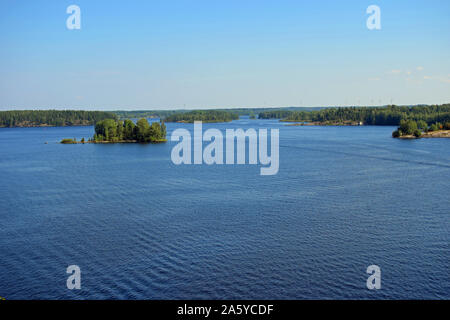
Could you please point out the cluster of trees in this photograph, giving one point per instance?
(416, 128)
(249, 111)
(239, 111)
(204, 116)
(390, 115)
(146, 114)
(276, 114)
(116, 131)
(35, 118)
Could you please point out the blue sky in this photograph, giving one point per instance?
(204, 54)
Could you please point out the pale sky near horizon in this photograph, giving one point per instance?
(168, 54)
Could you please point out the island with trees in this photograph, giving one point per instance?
(203, 115)
(410, 129)
(52, 118)
(117, 131)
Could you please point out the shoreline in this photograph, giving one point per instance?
(428, 135)
(47, 126)
(203, 121)
(323, 124)
(112, 142)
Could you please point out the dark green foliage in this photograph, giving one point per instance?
(166, 113)
(278, 114)
(396, 134)
(435, 127)
(422, 125)
(116, 131)
(128, 130)
(34, 118)
(408, 126)
(390, 115)
(106, 130)
(417, 133)
(142, 130)
(146, 113)
(68, 141)
(413, 128)
(203, 115)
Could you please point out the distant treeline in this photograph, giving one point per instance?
(390, 115)
(55, 118)
(276, 114)
(239, 111)
(204, 116)
(251, 111)
(146, 114)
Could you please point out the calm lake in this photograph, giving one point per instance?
(140, 227)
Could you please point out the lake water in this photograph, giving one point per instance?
(140, 227)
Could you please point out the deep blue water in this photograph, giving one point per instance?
(140, 227)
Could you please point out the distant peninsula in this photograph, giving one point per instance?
(325, 123)
(203, 115)
(355, 116)
(114, 131)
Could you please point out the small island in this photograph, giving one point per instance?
(410, 129)
(113, 131)
(206, 116)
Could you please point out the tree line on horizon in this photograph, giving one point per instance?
(56, 118)
(136, 114)
(390, 115)
(203, 115)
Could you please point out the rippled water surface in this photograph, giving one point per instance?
(140, 227)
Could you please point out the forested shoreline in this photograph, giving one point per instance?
(389, 116)
(136, 114)
(52, 118)
(204, 116)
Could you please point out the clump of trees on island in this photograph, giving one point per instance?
(390, 115)
(116, 131)
(52, 118)
(110, 130)
(411, 128)
(203, 115)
